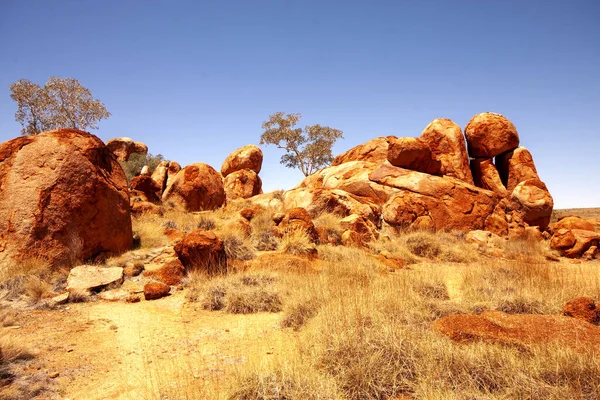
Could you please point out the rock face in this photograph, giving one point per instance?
(87, 278)
(375, 150)
(147, 186)
(169, 273)
(197, 187)
(297, 219)
(446, 141)
(515, 167)
(426, 201)
(201, 250)
(534, 202)
(124, 147)
(489, 134)
(160, 175)
(486, 176)
(573, 222)
(521, 330)
(335, 201)
(242, 184)
(413, 154)
(63, 198)
(248, 157)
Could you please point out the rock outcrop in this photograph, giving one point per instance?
(573, 222)
(574, 243)
(197, 187)
(413, 154)
(201, 250)
(88, 278)
(489, 134)
(584, 308)
(242, 184)
(63, 199)
(533, 202)
(375, 150)
(515, 167)
(248, 157)
(147, 187)
(297, 219)
(486, 176)
(124, 147)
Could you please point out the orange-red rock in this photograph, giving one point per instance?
(446, 141)
(533, 201)
(515, 167)
(497, 222)
(197, 187)
(145, 207)
(170, 273)
(242, 184)
(366, 230)
(442, 202)
(573, 222)
(124, 147)
(297, 219)
(159, 175)
(247, 157)
(489, 134)
(584, 308)
(63, 198)
(172, 170)
(574, 242)
(156, 290)
(375, 150)
(486, 176)
(148, 186)
(413, 154)
(202, 250)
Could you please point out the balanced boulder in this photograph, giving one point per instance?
(197, 187)
(124, 147)
(413, 154)
(375, 150)
(159, 175)
(242, 184)
(486, 176)
(515, 167)
(533, 200)
(446, 141)
(63, 199)
(489, 134)
(248, 157)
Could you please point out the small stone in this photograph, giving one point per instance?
(156, 290)
(53, 375)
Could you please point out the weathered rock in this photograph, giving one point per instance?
(573, 222)
(590, 253)
(59, 299)
(329, 235)
(351, 177)
(201, 250)
(148, 186)
(248, 157)
(574, 243)
(242, 184)
(486, 176)
(87, 278)
(487, 242)
(145, 207)
(197, 187)
(297, 219)
(515, 167)
(497, 222)
(145, 171)
(375, 150)
(133, 268)
(271, 200)
(489, 134)
(63, 199)
(124, 147)
(366, 230)
(115, 295)
(170, 273)
(533, 200)
(160, 175)
(521, 330)
(413, 154)
(172, 171)
(440, 202)
(335, 201)
(584, 308)
(446, 141)
(156, 290)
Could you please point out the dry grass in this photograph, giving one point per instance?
(31, 281)
(297, 243)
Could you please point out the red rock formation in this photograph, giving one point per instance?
(124, 147)
(584, 308)
(486, 176)
(413, 154)
(197, 187)
(489, 134)
(375, 150)
(201, 250)
(574, 242)
(573, 222)
(159, 175)
(515, 167)
(247, 157)
(147, 186)
(532, 200)
(63, 198)
(170, 273)
(297, 219)
(156, 290)
(446, 141)
(242, 184)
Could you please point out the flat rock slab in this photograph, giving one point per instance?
(521, 330)
(93, 277)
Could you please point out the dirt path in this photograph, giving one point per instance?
(150, 350)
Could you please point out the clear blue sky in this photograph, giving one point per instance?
(195, 79)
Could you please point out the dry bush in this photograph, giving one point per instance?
(80, 296)
(297, 242)
(331, 223)
(206, 223)
(237, 246)
(237, 293)
(439, 246)
(150, 229)
(8, 317)
(263, 237)
(13, 349)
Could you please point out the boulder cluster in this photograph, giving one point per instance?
(435, 181)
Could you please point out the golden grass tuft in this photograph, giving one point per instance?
(297, 242)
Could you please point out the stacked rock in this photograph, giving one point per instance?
(124, 147)
(240, 173)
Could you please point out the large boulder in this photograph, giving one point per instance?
(486, 176)
(89, 278)
(172, 171)
(427, 201)
(124, 147)
(574, 242)
(521, 330)
(573, 222)
(445, 139)
(413, 154)
(248, 157)
(297, 219)
(159, 175)
(335, 201)
(242, 184)
(375, 150)
(533, 200)
(489, 134)
(197, 187)
(202, 250)
(515, 167)
(63, 199)
(148, 186)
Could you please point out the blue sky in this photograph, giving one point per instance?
(195, 79)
